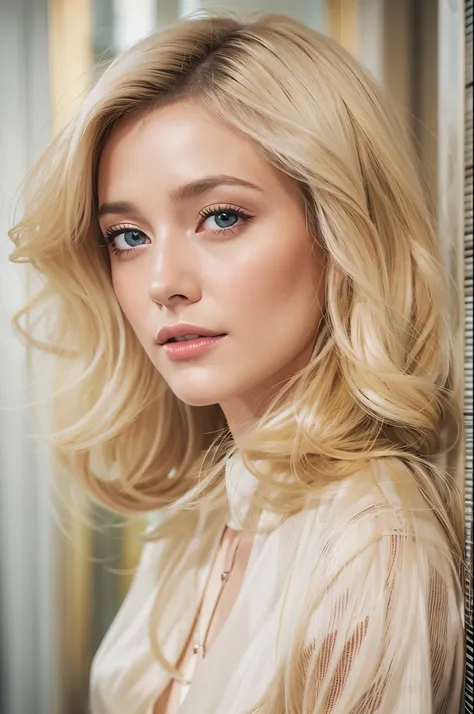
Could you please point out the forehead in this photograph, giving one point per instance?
(180, 136)
(179, 143)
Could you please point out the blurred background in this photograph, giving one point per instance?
(64, 568)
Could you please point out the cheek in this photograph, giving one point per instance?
(276, 284)
(128, 288)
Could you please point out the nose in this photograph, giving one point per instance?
(173, 275)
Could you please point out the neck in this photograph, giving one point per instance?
(240, 420)
(243, 412)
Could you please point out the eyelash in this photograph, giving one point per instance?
(215, 210)
(114, 231)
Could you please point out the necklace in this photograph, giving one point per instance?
(199, 651)
(200, 641)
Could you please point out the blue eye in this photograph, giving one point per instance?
(130, 238)
(124, 239)
(226, 219)
(222, 218)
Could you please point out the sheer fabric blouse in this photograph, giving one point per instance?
(385, 632)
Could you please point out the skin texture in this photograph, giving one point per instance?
(260, 281)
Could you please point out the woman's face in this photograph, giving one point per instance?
(205, 231)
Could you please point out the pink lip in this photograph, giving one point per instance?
(181, 329)
(176, 351)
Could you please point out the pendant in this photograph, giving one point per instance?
(198, 647)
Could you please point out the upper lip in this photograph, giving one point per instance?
(180, 330)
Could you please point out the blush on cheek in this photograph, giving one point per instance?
(278, 277)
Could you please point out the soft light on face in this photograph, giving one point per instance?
(205, 231)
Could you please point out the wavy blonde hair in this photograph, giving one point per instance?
(377, 385)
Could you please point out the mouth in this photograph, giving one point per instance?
(191, 338)
(183, 331)
(188, 347)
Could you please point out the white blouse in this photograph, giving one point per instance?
(353, 546)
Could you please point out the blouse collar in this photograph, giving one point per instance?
(241, 486)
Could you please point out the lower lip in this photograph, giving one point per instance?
(191, 348)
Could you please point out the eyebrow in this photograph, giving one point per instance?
(182, 193)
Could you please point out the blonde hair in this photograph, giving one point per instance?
(377, 385)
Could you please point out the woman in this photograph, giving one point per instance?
(250, 289)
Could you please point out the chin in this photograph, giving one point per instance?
(206, 392)
(197, 400)
(196, 395)
(203, 392)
